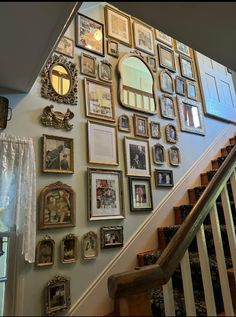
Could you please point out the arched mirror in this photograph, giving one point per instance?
(136, 86)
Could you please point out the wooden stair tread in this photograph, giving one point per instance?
(223, 313)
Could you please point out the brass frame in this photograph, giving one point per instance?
(109, 48)
(162, 40)
(119, 123)
(136, 21)
(184, 81)
(118, 229)
(94, 59)
(161, 81)
(169, 139)
(160, 47)
(181, 52)
(152, 123)
(91, 236)
(104, 62)
(69, 236)
(38, 251)
(194, 83)
(57, 49)
(131, 193)
(169, 154)
(163, 171)
(149, 58)
(136, 117)
(154, 154)
(162, 99)
(56, 119)
(181, 57)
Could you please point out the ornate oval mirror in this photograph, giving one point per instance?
(136, 84)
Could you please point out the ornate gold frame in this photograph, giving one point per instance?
(91, 236)
(69, 236)
(49, 240)
(169, 137)
(160, 47)
(136, 117)
(56, 119)
(120, 128)
(169, 154)
(181, 57)
(154, 154)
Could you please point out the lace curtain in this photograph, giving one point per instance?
(18, 190)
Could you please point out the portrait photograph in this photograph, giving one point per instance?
(113, 48)
(158, 152)
(192, 91)
(143, 37)
(186, 67)
(111, 237)
(140, 194)
(66, 47)
(180, 85)
(167, 106)
(105, 71)
(174, 156)
(124, 123)
(155, 130)
(141, 126)
(89, 246)
(166, 82)
(166, 57)
(152, 63)
(164, 38)
(45, 252)
(88, 65)
(163, 178)
(171, 133)
(182, 48)
(69, 248)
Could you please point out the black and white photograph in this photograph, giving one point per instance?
(124, 123)
(158, 154)
(166, 57)
(141, 126)
(105, 71)
(174, 156)
(164, 178)
(45, 252)
(111, 237)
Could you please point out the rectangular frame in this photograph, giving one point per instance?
(174, 156)
(164, 38)
(140, 193)
(69, 248)
(155, 130)
(189, 91)
(152, 62)
(167, 109)
(112, 237)
(182, 48)
(111, 51)
(177, 86)
(161, 179)
(184, 71)
(66, 47)
(45, 251)
(143, 37)
(85, 67)
(141, 126)
(89, 246)
(162, 48)
(124, 123)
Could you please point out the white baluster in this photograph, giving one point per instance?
(169, 298)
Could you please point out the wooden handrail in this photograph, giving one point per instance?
(141, 279)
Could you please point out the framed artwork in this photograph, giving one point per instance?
(99, 100)
(192, 90)
(158, 154)
(112, 237)
(167, 106)
(137, 157)
(105, 71)
(113, 48)
(180, 85)
(57, 295)
(118, 26)
(102, 144)
(143, 37)
(171, 133)
(124, 123)
(66, 47)
(174, 156)
(163, 178)
(164, 38)
(45, 252)
(182, 48)
(89, 246)
(88, 65)
(186, 67)
(166, 82)
(105, 194)
(191, 115)
(140, 194)
(89, 34)
(155, 130)
(58, 154)
(166, 57)
(152, 63)
(57, 206)
(141, 126)
(69, 248)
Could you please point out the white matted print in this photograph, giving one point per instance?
(143, 37)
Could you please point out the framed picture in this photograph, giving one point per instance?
(155, 130)
(105, 71)
(58, 154)
(180, 85)
(137, 157)
(182, 48)
(124, 123)
(166, 57)
(174, 156)
(57, 295)
(105, 194)
(89, 246)
(164, 38)
(171, 133)
(192, 90)
(140, 194)
(167, 106)
(89, 34)
(99, 100)
(141, 126)
(102, 144)
(158, 154)
(191, 115)
(57, 206)
(113, 48)
(112, 237)
(45, 252)
(88, 65)
(69, 248)
(143, 37)
(65, 47)
(186, 67)
(164, 178)
(166, 82)
(118, 26)
(152, 63)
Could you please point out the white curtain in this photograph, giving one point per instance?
(18, 190)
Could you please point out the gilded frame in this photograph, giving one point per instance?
(182, 48)
(161, 180)
(158, 152)
(146, 28)
(113, 232)
(189, 92)
(105, 71)
(171, 133)
(124, 126)
(85, 68)
(184, 73)
(174, 156)
(162, 64)
(141, 126)
(155, 130)
(152, 63)
(69, 248)
(45, 251)
(140, 192)
(177, 86)
(66, 47)
(89, 246)
(165, 86)
(167, 111)
(111, 51)
(164, 38)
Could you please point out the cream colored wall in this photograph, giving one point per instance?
(25, 122)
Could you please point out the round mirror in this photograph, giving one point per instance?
(60, 79)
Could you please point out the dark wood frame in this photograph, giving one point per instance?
(158, 184)
(68, 237)
(162, 47)
(49, 240)
(118, 229)
(131, 193)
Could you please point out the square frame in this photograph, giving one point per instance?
(66, 47)
(161, 179)
(141, 126)
(164, 38)
(167, 109)
(182, 48)
(140, 192)
(89, 246)
(143, 37)
(155, 130)
(69, 248)
(111, 237)
(85, 65)
(161, 49)
(186, 71)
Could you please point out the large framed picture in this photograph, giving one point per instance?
(167, 106)
(140, 194)
(182, 48)
(166, 57)
(166, 82)
(99, 100)
(158, 154)
(141, 125)
(186, 67)
(69, 248)
(143, 37)
(58, 154)
(164, 178)
(89, 246)
(88, 65)
(112, 237)
(137, 157)
(164, 38)
(66, 47)
(89, 34)
(105, 194)
(174, 156)
(45, 252)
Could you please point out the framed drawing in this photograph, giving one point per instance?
(155, 130)
(89, 246)
(105, 71)
(112, 237)
(99, 100)
(124, 123)
(69, 248)
(102, 144)
(166, 82)
(65, 47)
(137, 157)
(182, 48)
(143, 37)
(45, 252)
(141, 126)
(118, 26)
(180, 85)
(186, 67)
(164, 178)
(166, 57)
(57, 206)
(58, 154)
(167, 106)
(192, 90)
(88, 65)
(164, 38)
(158, 154)
(174, 156)
(105, 194)
(152, 63)
(171, 133)
(140, 193)
(113, 48)
(89, 34)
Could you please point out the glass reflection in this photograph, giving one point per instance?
(60, 79)
(191, 116)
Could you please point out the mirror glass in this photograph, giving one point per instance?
(191, 116)
(60, 79)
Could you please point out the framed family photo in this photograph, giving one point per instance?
(155, 130)
(166, 57)
(166, 82)
(140, 194)
(141, 126)
(124, 123)
(180, 85)
(174, 156)
(164, 178)
(112, 237)
(171, 133)
(113, 48)
(45, 252)
(143, 37)
(158, 152)
(88, 65)
(66, 47)
(167, 106)
(69, 248)
(105, 71)
(164, 38)
(89, 246)
(186, 67)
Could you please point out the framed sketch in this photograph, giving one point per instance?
(171, 133)
(141, 125)
(155, 130)
(192, 90)
(166, 57)
(152, 63)
(65, 47)
(69, 248)
(182, 48)
(102, 144)
(113, 48)
(112, 237)
(180, 85)
(99, 100)
(45, 252)
(58, 154)
(143, 37)
(124, 123)
(57, 206)
(174, 156)
(158, 152)
(89, 34)
(164, 38)
(118, 26)
(89, 246)
(140, 194)
(166, 82)
(57, 295)
(105, 71)
(167, 106)
(88, 65)
(137, 157)
(164, 178)
(186, 67)
(105, 194)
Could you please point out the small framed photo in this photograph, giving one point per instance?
(89, 34)
(192, 91)
(186, 67)
(155, 130)
(58, 154)
(112, 237)
(105, 71)
(141, 126)
(167, 106)
(88, 65)
(166, 82)
(57, 295)
(140, 194)
(113, 48)
(180, 85)
(166, 57)
(182, 48)
(158, 154)
(105, 194)
(164, 178)
(174, 156)
(164, 38)
(66, 47)
(171, 133)
(89, 246)
(152, 63)
(45, 252)
(69, 248)
(124, 123)
(143, 37)
(137, 157)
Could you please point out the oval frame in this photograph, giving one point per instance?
(154, 154)
(172, 162)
